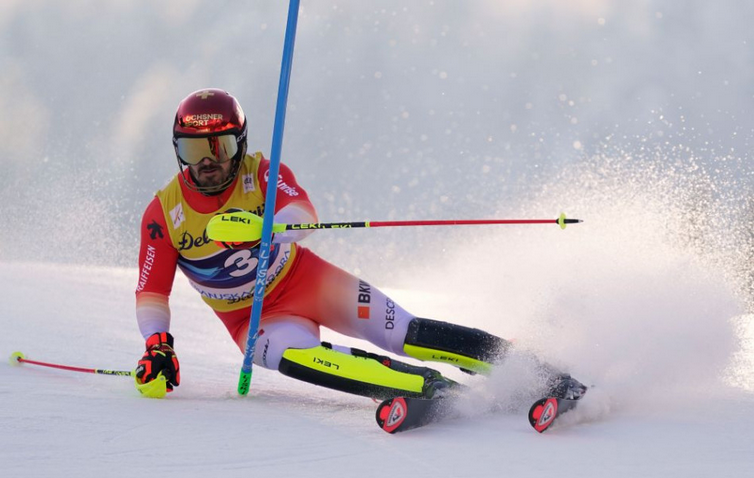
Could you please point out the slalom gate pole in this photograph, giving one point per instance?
(17, 358)
(244, 379)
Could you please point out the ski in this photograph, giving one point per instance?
(544, 411)
(399, 414)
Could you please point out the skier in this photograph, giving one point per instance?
(303, 291)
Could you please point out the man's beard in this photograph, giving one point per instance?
(218, 177)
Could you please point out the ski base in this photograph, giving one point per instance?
(544, 411)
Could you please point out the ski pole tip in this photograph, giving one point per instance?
(16, 358)
(562, 221)
(244, 382)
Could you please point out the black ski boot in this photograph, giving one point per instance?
(437, 386)
(563, 386)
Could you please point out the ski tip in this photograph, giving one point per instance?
(16, 358)
(391, 413)
(542, 414)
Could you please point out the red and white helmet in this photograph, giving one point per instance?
(209, 123)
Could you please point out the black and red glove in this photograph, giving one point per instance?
(159, 357)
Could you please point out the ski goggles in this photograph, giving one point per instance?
(219, 149)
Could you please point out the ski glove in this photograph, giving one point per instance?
(159, 358)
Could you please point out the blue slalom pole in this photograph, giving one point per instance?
(244, 380)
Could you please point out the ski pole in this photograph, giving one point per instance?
(156, 388)
(17, 358)
(244, 226)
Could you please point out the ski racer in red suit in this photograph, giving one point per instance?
(303, 292)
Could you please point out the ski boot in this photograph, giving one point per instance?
(437, 386)
(564, 386)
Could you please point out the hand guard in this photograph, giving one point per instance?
(239, 245)
(252, 223)
(159, 362)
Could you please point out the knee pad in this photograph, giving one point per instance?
(471, 350)
(277, 335)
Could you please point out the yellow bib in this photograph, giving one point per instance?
(224, 277)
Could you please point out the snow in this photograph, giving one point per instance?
(633, 116)
(61, 423)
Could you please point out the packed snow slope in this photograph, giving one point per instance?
(628, 301)
(633, 116)
(660, 408)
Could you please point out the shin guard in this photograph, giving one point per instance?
(471, 350)
(360, 373)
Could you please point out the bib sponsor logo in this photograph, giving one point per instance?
(207, 294)
(188, 241)
(248, 183)
(241, 298)
(177, 216)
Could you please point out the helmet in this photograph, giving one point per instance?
(209, 123)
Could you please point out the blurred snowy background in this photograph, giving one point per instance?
(633, 116)
(425, 109)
